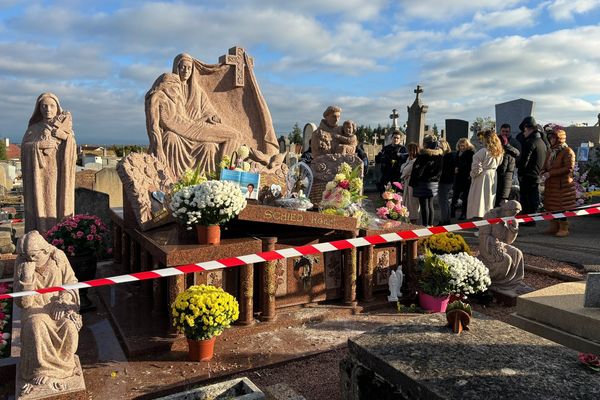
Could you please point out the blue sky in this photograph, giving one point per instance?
(365, 56)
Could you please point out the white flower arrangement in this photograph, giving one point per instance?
(209, 203)
(469, 274)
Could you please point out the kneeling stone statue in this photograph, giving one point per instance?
(50, 322)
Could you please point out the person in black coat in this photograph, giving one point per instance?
(531, 162)
(505, 171)
(362, 154)
(462, 176)
(446, 181)
(391, 158)
(425, 177)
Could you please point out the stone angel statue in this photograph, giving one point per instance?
(504, 261)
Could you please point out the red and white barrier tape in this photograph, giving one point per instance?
(303, 250)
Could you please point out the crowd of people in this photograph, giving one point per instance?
(477, 181)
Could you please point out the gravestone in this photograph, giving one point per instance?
(307, 134)
(513, 112)
(91, 202)
(455, 130)
(415, 131)
(5, 180)
(107, 181)
(592, 290)
(284, 144)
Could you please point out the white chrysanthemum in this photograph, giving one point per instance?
(469, 275)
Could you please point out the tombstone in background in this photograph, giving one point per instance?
(5, 180)
(91, 202)
(107, 181)
(93, 166)
(388, 135)
(50, 322)
(415, 131)
(512, 112)
(284, 144)
(307, 134)
(455, 130)
(48, 156)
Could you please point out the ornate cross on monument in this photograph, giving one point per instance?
(418, 90)
(237, 57)
(394, 116)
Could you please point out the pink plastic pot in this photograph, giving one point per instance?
(433, 304)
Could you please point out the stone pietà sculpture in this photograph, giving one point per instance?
(48, 156)
(505, 262)
(50, 322)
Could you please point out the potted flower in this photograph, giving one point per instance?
(443, 243)
(82, 238)
(207, 206)
(458, 315)
(393, 208)
(434, 285)
(202, 313)
(469, 274)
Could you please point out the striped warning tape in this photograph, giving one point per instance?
(304, 250)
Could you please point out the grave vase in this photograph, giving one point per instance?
(201, 350)
(433, 304)
(84, 266)
(209, 234)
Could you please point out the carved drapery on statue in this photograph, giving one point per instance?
(219, 107)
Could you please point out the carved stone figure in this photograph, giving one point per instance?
(48, 156)
(505, 262)
(50, 322)
(345, 141)
(145, 181)
(394, 284)
(207, 114)
(321, 140)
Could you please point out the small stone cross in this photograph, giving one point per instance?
(236, 58)
(418, 90)
(394, 114)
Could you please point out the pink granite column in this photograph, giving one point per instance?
(246, 295)
(368, 267)
(350, 275)
(268, 282)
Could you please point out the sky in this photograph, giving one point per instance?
(366, 56)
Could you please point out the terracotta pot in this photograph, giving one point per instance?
(210, 234)
(458, 320)
(434, 304)
(201, 350)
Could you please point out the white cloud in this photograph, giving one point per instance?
(565, 9)
(445, 10)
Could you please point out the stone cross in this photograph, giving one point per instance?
(418, 90)
(237, 57)
(394, 117)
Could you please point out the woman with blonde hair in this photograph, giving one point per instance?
(559, 189)
(462, 176)
(411, 202)
(482, 191)
(446, 182)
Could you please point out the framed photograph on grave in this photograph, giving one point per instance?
(249, 182)
(583, 152)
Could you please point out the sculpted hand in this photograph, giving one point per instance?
(58, 311)
(27, 272)
(76, 318)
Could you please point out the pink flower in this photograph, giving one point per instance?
(109, 250)
(397, 197)
(387, 195)
(398, 185)
(345, 184)
(382, 212)
(390, 204)
(55, 242)
(589, 359)
(71, 249)
(90, 238)
(2, 316)
(79, 234)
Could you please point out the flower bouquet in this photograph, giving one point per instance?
(201, 313)
(79, 235)
(5, 326)
(581, 186)
(393, 208)
(207, 206)
(343, 195)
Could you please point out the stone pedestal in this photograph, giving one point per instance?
(75, 388)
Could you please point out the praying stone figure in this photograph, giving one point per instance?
(394, 284)
(50, 322)
(505, 262)
(48, 157)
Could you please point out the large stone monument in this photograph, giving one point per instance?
(512, 113)
(415, 130)
(48, 156)
(455, 130)
(201, 112)
(50, 322)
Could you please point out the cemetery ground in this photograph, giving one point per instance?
(302, 349)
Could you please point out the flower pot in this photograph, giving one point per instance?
(201, 350)
(84, 266)
(210, 234)
(458, 320)
(434, 304)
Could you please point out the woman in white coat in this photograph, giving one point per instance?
(412, 203)
(482, 192)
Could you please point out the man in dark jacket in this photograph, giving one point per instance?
(391, 158)
(531, 162)
(505, 171)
